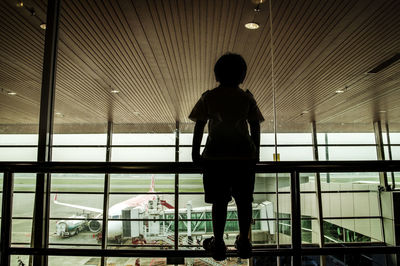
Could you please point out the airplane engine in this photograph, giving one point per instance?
(95, 226)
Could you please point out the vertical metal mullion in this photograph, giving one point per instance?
(40, 225)
(318, 191)
(106, 193)
(390, 154)
(380, 153)
(176, 194)
(6, 218)
(295, 217)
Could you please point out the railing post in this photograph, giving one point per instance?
(295, 218)
(6, 218)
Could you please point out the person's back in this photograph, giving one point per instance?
(230, 153)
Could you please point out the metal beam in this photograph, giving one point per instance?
(6, 218)
(40, 224)
(106, 195)
(176, 222)
(380, 153)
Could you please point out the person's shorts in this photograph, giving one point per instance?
(223, 180)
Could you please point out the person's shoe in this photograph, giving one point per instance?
(243, 247)
(217, 250)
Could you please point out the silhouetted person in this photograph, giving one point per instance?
(230, 153)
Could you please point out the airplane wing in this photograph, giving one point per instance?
(77, 206)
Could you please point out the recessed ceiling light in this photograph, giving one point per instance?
(136, 113)
(59, 114)
(20, 4)
(382, 111)
(252, 25)
(339, 91)
(114, 91)
(305, 112)
(12, 93)
(43, 26)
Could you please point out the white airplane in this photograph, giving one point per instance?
(67, 228)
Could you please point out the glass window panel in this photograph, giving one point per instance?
(397, 179)
(267, 139)
(264, 234)
(352, 230)
(77, 182)
(285, 229)
(187, 138)
(347, 153)
(350, 138)
(21, 231)
(308, 205)
(394, 138)
(143, 154)
(73, 260)
(294, 138)
(349, 181)
(76, 206)
(396, 152)
(19, 259)
(265, 182)
(143, 139)
(24, 182)
(18, 154)
(307, 182)
(79, 154)
(267, 154)
(295, 153)
(350, 204)
(191, 183)
(185, 154)
(142, 182)
(23, 204)
(79, 139)
(18, 139)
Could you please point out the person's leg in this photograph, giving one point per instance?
(244, 215)
(219, 211)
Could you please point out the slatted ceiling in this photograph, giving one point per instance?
(160, 55)
(346, 64)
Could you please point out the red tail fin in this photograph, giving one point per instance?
(152, 186)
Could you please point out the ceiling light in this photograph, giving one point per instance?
(305, 112)
(382, 111)
(252, 25)
(20, 4)
(59, 114)
(114, 91)
(136, 113)
(12, 93)
(43, 26)
(339, 91)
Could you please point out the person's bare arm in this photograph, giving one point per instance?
(197, 137)
(255, 136)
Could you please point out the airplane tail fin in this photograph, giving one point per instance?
(152, 184)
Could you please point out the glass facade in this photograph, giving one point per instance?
(166, 211)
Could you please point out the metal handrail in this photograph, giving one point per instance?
(188, 167)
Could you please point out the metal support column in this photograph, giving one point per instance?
(295, 218)
(390, 155)
(104, 231)
(6, 218)
(40, 224)
(318, 191)
(380, 153)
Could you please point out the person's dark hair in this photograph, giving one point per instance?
(230, 69)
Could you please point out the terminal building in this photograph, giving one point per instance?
(95, 140)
